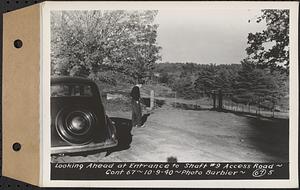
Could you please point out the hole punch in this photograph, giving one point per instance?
(16, 146)
(18, 43)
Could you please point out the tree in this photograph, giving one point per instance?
(164, 78)
(223, 80)
(206, 81)
(185, 88)
(92, 43)
(258, 86)
(275, 35)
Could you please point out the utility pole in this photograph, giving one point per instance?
(151, 99)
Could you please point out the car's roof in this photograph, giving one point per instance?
(69, 79)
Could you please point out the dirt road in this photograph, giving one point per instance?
(196, 136)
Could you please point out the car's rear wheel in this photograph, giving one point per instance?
(76, 125)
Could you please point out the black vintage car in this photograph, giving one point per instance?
(78, 119)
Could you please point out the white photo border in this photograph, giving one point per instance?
(47, 7)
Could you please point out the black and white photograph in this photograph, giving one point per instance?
(171, 85)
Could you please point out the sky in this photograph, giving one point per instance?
(206, 36)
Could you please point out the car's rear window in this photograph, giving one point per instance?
(59, 90)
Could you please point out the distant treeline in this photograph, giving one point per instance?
(246, 83)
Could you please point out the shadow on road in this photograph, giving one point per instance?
(271, 136)
(186, 106)
(124, 127)
(124, 136)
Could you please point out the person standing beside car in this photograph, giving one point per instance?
(136, 107)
